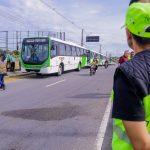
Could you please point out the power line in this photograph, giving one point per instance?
(14, 18)
(58, 13)
(11, 18)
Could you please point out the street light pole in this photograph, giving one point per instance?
(82, 37)
(6, 40)
(17, 46)
(100, 51)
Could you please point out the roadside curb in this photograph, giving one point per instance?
(18, 75)
(103, 126)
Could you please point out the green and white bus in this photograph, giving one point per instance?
(93, 54)
(46, 55)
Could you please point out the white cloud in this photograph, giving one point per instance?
(94, 12)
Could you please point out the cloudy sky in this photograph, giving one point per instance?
(97, 17)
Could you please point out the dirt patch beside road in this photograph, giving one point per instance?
(12, 79)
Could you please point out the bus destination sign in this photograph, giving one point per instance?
(36, 40)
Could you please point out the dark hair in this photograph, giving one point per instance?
(133, 1)
(141, 40)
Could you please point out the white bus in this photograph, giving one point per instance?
(46, 55)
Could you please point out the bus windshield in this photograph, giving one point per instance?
(34, 52)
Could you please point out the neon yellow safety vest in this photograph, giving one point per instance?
(120, 139)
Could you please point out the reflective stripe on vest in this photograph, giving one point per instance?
(147, 111)
(120, 139)
(121, 134)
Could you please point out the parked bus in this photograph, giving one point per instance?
(46, 55)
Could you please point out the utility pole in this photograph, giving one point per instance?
(20, 39)
(82, 37)
(64, 36)
(60, 35)
(28, 34)
(100, 50)
(6, 40)
(13, 41)
(17, 46)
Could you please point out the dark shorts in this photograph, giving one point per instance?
(1, 79)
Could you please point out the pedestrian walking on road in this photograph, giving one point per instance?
(131, 89)
(12, 62)
(2, 72)
(8, 63)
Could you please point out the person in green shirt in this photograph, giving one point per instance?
(12, 61)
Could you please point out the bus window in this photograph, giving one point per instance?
(95, 55)
(71, 50)
(92, 55)
(78, 51)
(34, 53)
(74, 53)
(82, 52)
(101, 57)
(68, 50)
(62, 49)
(54, 49)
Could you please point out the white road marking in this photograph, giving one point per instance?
(56, 83)
(103, 127)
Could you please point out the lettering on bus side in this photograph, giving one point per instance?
(61, 59)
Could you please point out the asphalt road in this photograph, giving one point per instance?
(55, 113)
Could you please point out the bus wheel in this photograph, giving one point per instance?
(60, 70)
(79, 67)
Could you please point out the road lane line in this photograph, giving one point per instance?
(55, 83)
(103, 127)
